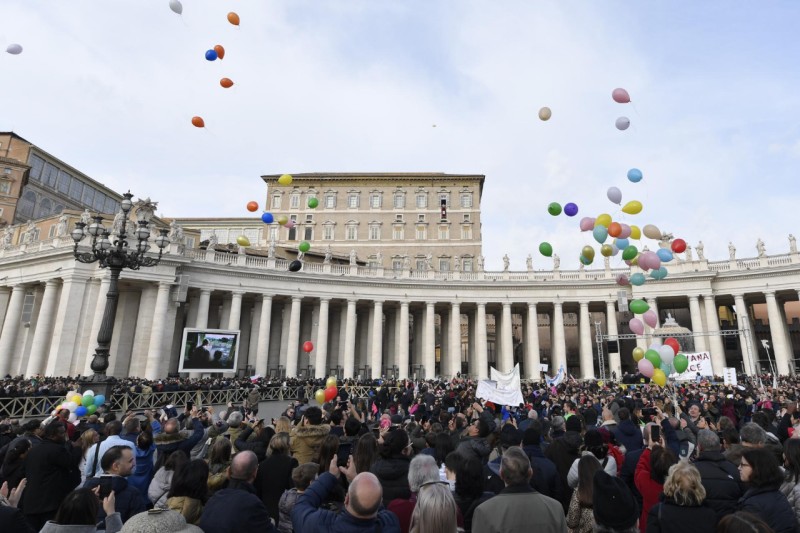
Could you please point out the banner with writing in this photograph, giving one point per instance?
(698, 362)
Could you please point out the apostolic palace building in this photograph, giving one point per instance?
(394, 284)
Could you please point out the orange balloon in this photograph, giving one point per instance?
(252, 206)
(615, 229)
(226, 82)
(233, 18)
(220, 51)
(198, 122)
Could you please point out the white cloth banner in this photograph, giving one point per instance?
(556, 380)
(698, 362)
(502, 389)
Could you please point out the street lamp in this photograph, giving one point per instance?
(765, 344)
(115, 255)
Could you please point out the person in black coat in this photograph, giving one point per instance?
(258, 444)
(683, 508)
(627, 433)
(720, 476)
(760, 471)
(172, 439)
(51, 469)
(563, 452)
(118, 462)
(274, 474)
(391, 468)
(545, 477)
(11, 518)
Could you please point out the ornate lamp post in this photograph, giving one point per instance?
(115, 255)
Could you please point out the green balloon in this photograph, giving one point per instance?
(654, 357)
(87, 400)
(545, 249)
(585, 260)
(681, 363)
(629, 252)
(304, 246)
(638, 307)
(313, 203)
(91, 409)
(554, 209)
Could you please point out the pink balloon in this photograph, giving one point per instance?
(626, 231)
(650, 318)
(636, 326)
(587, 224)
(290, 224)
(646, 368)
(622, 280)
(621, 96)
(653, 261)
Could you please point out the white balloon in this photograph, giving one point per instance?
(90, 392)
(176, 6)
(615, 195)
(14, 49)
(655, 346)
(71, 406)
(73, 417)
(667, 354)
(623, 123)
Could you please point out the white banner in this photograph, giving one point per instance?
(502, 389)
(698, 362)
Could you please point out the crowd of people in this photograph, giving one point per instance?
(426, 456)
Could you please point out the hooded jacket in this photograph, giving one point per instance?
(127, 500)
(629, 435)
(393, 475)
(306, 441)
(720, 478)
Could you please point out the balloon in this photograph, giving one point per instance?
(638, 307)
(656, 345)
(90, 392)
(681, 363)
(585, 260)
(650, 318)
(667, 354)
(620, 96)
(308, 346)
(659, 377)
(91, 409)
(625, 231)
(295, 266)
(646, 368)
(87, 400)
(545, 113)
(634, 175)
(636, 326)
(588, 252)
(71, 406)
(241, 240)
(14, 49)
(636, 233)
(678, 246)
(233, 18)
(80, 411)
(267, 218)
(99, 400)
(614, 249)
(285, 179)
(634, 207)
(554, 209)
(330, 382)
(622, 243)
(331, 393)
(545, 249)
(637, 279)
(606, 250)
(198, 122)
(603, 220)
(320, 396)
(571, 209)
(587, 223)
(252, 206)
(176, 6)
(72, 418)
(629, 252)
(304, 246)
(652, 232)
(313, 203)
(622, 280)
(614, 194)
(211, 55)
(289, 224)
(634, 261)
(653, 261)
(638, 354)
(219, 50)
(623, 123)
(659, 273)
(282, 220)
(614, 229)
(652, 356)
(600, 234)
(226, 82)
(75, 398)
(673, 343)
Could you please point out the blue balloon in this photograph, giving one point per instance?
(211, 55)
(664, 254)
(585, 260)
(267, 218)
(661, 273)
(600, 233)
(99, 400)
(81, 411)
(635, 175)
(637, 279)
(622, 243)
(570, 209)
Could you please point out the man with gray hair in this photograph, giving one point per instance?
(518, 507)
(719, 476)
(751, 436)
(421, 471)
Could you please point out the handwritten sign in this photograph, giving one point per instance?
(698, 362)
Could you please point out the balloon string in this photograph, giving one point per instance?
(634, 108)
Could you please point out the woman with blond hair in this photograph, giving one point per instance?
(683, 508)
(436, 510)
(283, 425)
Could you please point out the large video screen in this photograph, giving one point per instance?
(209, 350)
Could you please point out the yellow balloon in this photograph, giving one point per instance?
(636, 233)
(603, 220)
(320, 396)
(545, 113)
(659, 377)
(282, 220)
(634, 207)
(638, 354)
(606, 250)
(588, 252)
(285, 179)
(76, 398)
(242, 240)
(330, 383)
(635, 260)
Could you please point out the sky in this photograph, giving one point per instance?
(358, 85)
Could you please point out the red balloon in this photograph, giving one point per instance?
(308, 346)
(331, 393)
(252, 206)
(615, 229)
(672, 343)
(226, 83)
(620, 96)
(220, 51)
(198, 122)
(678, 246)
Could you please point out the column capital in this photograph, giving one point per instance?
(378, 302)
(238, 293)
(204, 290)
(481, 305)
(694, 297)
(430, 304)
(297, 299)
(325, 299)
(404, 303)
(583, 304)
(532, 304)
(52, 282)
(266, 297)
(455, 304)
(353, 301)
(738, 295)
(611, 301)
(708, 296)
(164, 285)
(558, 304)
(506, 304)
(769, 293)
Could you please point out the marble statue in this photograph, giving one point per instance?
(700, 255)
(506, 261)
(271, 250)
(731, 251)
(606, 262)
(240, 250)
(86, 218)
(406, 263)
(61, 228)
(529, 262)
(379, 258)
(8, 236)
(326, 261)
(119, 223)
(688, 253)
(792, 244)
(556, 262)
(176, 233)
(665, 241)
(213, 241)
(30, 233)
(581, 266)
(353, 256)
(762, 250)
(457, 263)
(429, 261)
(480, 263)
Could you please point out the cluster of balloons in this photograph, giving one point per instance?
(328, 393)
(79, 406)
(14, 49)
(569, 209)
(659, 360)
(621, 96)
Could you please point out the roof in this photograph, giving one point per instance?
(15, 135)
(413, 176)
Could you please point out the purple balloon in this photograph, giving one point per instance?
(622, 280)
(646, 368)
(570, 209)
(587, 224)
(650, 318)
(653, 261)
(636, 326)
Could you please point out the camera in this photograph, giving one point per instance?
(648, 412)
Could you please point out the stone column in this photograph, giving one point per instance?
(746, 339)
(8, 337)
(614, 360)
(429, 350)
(5, 298)
(586, 356)
(44, 329)
(715, 341)
(155, 352)
(144, 325)
(376, 359)
(201, 322)
(777, 330)
(507, 346)
(700, 344)
(236, 310)
(559, 349)
(320, 370)
(402, 342)
(481, 342)
(455, 339)
(264, 324)
(293, 337)
(532, 358)
(65, 331)
(350, 341)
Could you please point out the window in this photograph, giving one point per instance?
(422, 233)
(398, 218)
(399, 200)
(99, 201)
(421, 265)
(64, 180)
(422, 200)
(420, 218)
(190, 242)
(467, 217)
(309, 219)
(276, 201)
(37, 164)
(50, 175)
(466, 199)
(294, 201)
(444, 196)
(5, 187)
(375, 200)
(351, 232)
(27, 306)
(273, 232)
(397, 263)
(44, 209)
(352, 200)
(398, 233)
(374, 232)
(444, 233)
(6, 170)
(444, 264)
(308, 234)
(26, 204)
(330, 200)
(253, 235)
(467, 264)
(88, 196)
(327, 232)
(466, 233)
(293, 230)
(110, 206)
(76, 190)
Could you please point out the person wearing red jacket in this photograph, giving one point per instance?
(651, 471)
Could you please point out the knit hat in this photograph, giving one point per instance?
(159, 521)
(574, 423)
(613, 503)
